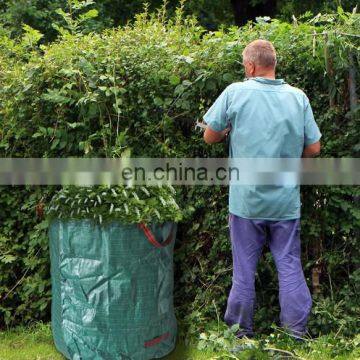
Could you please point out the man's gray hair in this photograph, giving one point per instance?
(261, 53)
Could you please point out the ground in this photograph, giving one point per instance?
(35, 343)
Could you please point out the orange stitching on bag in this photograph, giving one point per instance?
(156, 340)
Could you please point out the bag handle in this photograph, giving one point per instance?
(150, 236)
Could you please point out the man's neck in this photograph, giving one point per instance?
(270, 76)
(267, 73)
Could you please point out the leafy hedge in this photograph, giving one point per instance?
(138, 90)
(127, 204)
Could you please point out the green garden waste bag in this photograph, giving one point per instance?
(112, 289)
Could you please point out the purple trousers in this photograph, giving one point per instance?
(247, 239)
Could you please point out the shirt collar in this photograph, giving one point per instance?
(268, 81)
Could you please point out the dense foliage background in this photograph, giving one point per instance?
(41, 14)
(139, 90)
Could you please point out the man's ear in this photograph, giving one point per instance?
(252, 68)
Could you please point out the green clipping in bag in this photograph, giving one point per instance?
(112, 289)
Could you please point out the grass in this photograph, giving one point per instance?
(35, 343)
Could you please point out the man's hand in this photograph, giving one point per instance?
(311, 150)
(211, 136)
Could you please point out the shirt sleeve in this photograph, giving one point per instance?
(312, 133)
(216, 116)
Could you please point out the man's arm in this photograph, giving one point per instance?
(217, 120)
(211, 136)
(311, 150)
(312, 133)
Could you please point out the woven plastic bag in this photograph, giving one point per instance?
(112, 290)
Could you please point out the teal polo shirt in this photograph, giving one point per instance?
(269, 119)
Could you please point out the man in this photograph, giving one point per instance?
(265, 117)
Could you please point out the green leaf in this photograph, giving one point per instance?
(228, 77)
(55, 96)
(75, 125)
(8, 259)
(174, 80)
(54, 144)
(31, 36)
(91, 14)
(158, 101)
(179, 90)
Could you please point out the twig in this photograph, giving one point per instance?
(19, 281)
(217, 315)
(337, 333)
(284, 352)
(314, 43)
(286, 333)
(347, 34)
(332, 32)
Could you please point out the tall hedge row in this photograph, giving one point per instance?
(138, 90)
